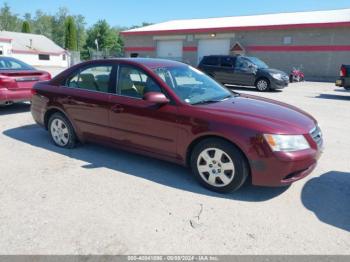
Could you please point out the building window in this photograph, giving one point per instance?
(287, 40)
(44, 57)
(0, 52)
(64, 57)
(134, 55)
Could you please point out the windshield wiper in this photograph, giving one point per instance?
(208, 101)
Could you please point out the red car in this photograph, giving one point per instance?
(172, 111)
(17, 79)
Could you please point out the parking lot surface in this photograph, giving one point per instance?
(96, 200)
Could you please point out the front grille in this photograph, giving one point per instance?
(317, 136)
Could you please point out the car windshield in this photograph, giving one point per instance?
(256, 61)
(9, 63)
(193, 86)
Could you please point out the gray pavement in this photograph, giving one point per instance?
(96, 200)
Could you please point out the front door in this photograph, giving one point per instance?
(85, 100)
(244, 72)
(140, 124)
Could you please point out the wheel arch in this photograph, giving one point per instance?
(204, 137)
(260, 78)
(53, 110)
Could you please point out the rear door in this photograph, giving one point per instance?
(227, 70)
(85, 98)
(137, 123)
(211, 66)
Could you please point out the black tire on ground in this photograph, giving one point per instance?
(65, 125)
(262, 84)
(347, 88)
(237, 177)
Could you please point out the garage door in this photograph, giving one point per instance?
(213, 47)
(170, 50)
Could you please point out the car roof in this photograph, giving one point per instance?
(151, 63)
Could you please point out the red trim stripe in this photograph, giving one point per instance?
(240, 28)
(16, 51)
(8, 40)
(190, 48)
(140, 49)
(299, 48)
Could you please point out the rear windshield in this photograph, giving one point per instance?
(9, 63)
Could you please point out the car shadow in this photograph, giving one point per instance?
(334, 97)
(14, 109)
(328, 197)
(154, 170)
(251, 89)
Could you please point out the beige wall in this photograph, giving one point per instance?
(317, 65)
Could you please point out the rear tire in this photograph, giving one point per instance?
(61, 131)
(219, 165)
(262, 85)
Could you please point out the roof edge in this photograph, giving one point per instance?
(239, 28)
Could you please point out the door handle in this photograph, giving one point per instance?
(117, 109)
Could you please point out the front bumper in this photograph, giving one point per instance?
(279, 84)
(284, 168)
(15, 95)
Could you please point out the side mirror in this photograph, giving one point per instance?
(156, 98)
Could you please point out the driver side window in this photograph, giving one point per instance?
(242, 63)
(133, 82)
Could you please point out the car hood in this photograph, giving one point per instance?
(272, 71)
(262, 114)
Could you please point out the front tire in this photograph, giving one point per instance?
(262, 85)
(61, 131)
(219, 165)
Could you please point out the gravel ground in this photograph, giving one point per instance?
(95, 200)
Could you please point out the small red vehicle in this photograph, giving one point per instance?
(17, 79)
(172, 111)
(296, 75)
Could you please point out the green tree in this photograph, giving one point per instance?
(42, 24)
(70, 34)
(105, 36)
(81, 31)
(58, 26)
(8, 20)
(26, 27)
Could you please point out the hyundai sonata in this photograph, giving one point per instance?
(172, 111)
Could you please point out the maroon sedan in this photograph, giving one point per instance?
(17, 79)
(174, 112)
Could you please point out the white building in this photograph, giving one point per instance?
(33, 49)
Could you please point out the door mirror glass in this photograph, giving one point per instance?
(156, 98)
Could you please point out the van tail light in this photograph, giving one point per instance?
(343, 71)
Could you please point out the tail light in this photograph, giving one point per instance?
(33, 91)
(6, 82)
(343, 71)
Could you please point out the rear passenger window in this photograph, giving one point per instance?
(211, 60)
(93, 78)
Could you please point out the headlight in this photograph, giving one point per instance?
(287, 143)
(277, 76)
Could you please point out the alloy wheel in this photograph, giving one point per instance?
(262, 85)
(59, 132)
(215, 167)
